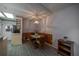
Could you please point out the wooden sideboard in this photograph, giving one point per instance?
(65, 47)
(47, 37)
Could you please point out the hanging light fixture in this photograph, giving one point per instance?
(37, 15)
(36, 22)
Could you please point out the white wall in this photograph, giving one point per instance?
(29, 26)
(4, 24)
(65, 22)
(0, 28)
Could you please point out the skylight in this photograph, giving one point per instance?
(9, 15)
(1, 15)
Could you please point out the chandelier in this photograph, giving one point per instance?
(37, 15)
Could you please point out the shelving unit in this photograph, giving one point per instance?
(18, 23)
(17, 36)
(65, 48)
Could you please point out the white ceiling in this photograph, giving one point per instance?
(53, 7)
(23, 9)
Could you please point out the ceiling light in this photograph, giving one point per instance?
(36, 22)
(9, 15)
(1, 15)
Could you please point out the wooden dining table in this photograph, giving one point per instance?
(37, 40)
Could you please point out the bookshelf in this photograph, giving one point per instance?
(65, 48)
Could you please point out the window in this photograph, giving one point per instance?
(9, 15)
(1, 15)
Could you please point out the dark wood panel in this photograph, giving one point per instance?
(3, 47)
